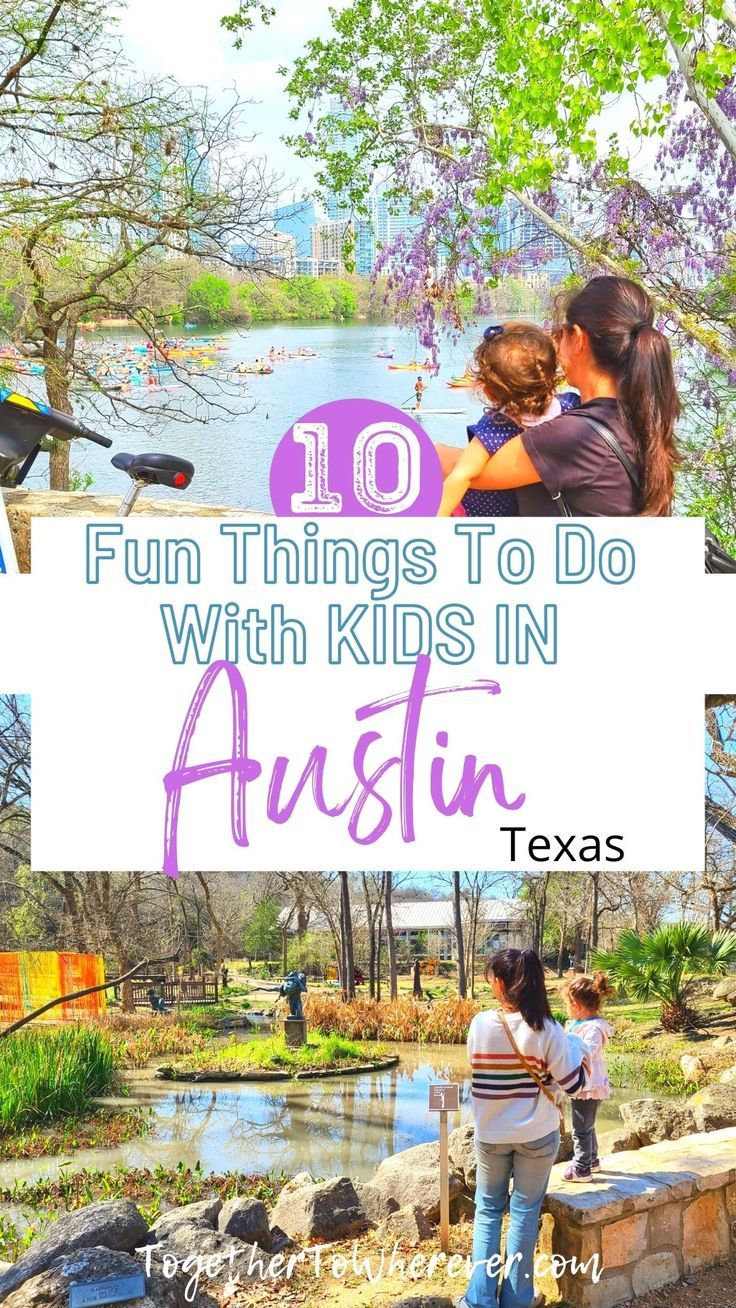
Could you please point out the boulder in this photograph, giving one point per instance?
(296, 1183)
(462, 1209)
(728, 1077)
(726, 989)
(413, 1177)
(247, 1219)
(111, 1224)
(462, 1154)
(621, 1141)
(693, 1069)
(280, 1241)
(50, 1289)
(203, 1213)
(723, 1042)
(655, 1119)
(714, 1107)
(328, 1210)
(226, 1255)
(376, 1205)
(406, 1226)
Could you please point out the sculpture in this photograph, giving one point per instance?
(293, 986)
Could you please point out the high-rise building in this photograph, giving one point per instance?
(297, 220)
(328, 245)
(273, 251)
(537, 248)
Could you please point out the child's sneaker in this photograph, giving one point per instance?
(573, 1173)
(595, 1166)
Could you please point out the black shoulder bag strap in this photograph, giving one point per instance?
(616, 448)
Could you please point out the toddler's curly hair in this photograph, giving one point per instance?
(518, 370)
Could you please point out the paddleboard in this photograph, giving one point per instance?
(423, 409)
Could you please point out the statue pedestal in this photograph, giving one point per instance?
(295, 1030)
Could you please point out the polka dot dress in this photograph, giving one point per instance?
(493, 431)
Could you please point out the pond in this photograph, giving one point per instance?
(232, 445)
(341, 1126)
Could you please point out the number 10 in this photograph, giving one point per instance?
(317, 496)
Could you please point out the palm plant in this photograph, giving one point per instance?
(664, 964)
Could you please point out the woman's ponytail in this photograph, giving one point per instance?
(650, 407)
(617, 316)
(522, 975)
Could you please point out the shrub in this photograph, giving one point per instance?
(445, 1021)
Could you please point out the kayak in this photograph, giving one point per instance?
(462, 383)
(410, 367)
(384, 354)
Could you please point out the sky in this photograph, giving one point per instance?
(185, 40)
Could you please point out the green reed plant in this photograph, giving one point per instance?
(50, 1074)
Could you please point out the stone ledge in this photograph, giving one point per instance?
(646, 1178)
(24, 505)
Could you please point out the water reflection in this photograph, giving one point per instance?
(343, 1126)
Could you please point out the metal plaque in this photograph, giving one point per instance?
(444, 1098)
(113, 1289)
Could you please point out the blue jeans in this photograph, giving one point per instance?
(530, 1165)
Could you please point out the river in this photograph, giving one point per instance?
(231, 445)
(343, 1126)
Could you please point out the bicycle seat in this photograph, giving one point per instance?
(156, 469)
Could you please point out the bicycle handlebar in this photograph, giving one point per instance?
(43, 414)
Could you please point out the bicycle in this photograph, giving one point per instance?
(24, 423)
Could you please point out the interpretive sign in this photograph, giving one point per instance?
(444, 1098)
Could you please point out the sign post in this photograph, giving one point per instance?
(444, 1099)
(8, 561)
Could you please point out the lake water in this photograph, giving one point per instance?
(342, 1126)
(231, 447)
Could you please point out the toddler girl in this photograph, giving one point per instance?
(583, 997)
(515, 366)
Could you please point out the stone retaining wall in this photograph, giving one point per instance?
(24, 505)
(650, 1217)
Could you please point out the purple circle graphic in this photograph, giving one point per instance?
(354, 459)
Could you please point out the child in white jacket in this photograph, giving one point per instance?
(583, 998)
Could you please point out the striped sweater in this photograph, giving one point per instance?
(508, 1107)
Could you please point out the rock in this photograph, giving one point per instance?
(462, 1154)
(330, 1210)
(407, 1226)
(111, 1224)
(693, 1069)
(296, 1183)
(203, 1213)
(376, 1205)
(565, 1151)
(655, 1119)
(280, 1241)
(50, 1289)
(413, 1177)
(723, 1042)
(728, 1077)
(228, 1257)
(462, 1209)
(726, 989)
(620, 1142)
(714, 1107)
(247, 1219)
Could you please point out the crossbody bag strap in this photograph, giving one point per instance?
(532, 1072)
(612, 441)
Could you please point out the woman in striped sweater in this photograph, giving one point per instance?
(521, 1059)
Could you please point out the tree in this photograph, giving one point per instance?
(457, 909)
(664, 965)
(15, 777)
(208, 299)
(105, 175)
(393, 979)
(511, 101)
(262, 935)
(347, 956)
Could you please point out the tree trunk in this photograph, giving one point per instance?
(390, 939)
(417, 987)
(462, 984)
(347, 936)
(595, 910)
(57, 391)
(371, 922)
(379, 934)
